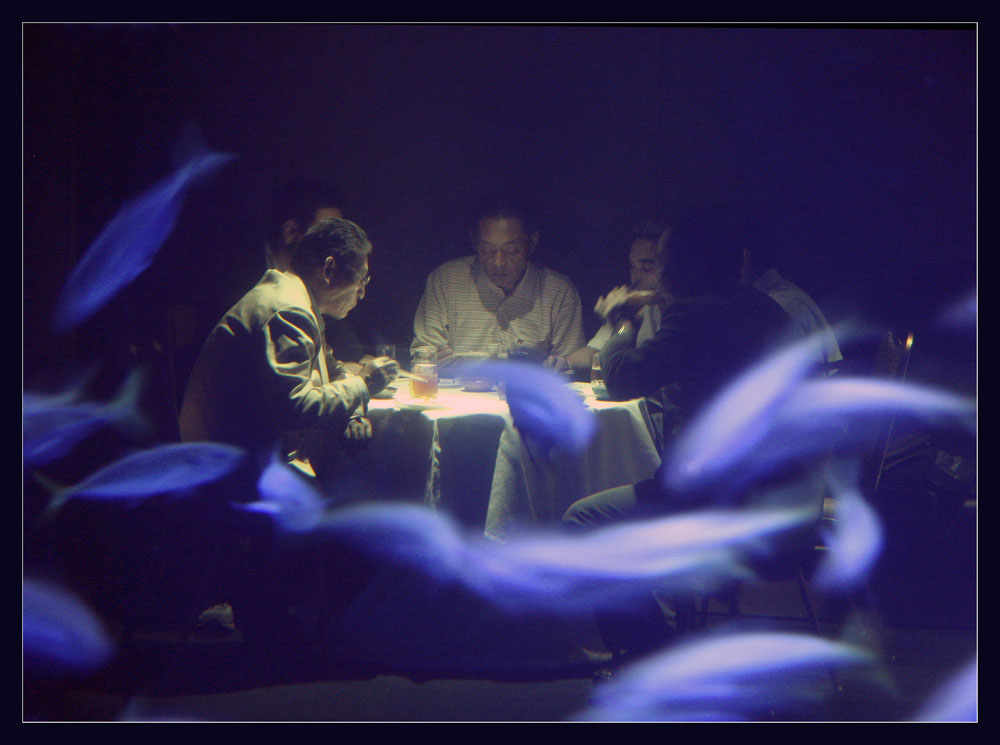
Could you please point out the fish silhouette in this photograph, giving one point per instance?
(53, 424)
(129, 241)
(61, 635)
(727, 677)
(165, 469)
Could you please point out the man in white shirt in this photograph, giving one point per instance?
(498, 301)
(758, 270)
(643, 291)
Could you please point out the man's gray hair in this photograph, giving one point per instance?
(341, 239)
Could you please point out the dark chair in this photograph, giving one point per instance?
(891, 361)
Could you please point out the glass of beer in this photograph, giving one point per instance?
(424, 383)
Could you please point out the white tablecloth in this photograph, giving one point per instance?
(458, 446)
(478, 469)
(531, 490)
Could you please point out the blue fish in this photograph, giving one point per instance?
(962, 314)
(542, 405)
(61, 635)
(165, 469)
(293, 503)
(955, 701)
(727, 433)
(771, 417)
(53, 424)
(569, 573)
(725, 677)
(854, 542)
(127, 244)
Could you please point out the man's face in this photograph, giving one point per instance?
(342, 293)
(644, 267)
(504, 247)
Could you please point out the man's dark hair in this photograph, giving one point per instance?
(505, 205)
(341, 239)
(648, 229)
(299, 200)
(702, 255)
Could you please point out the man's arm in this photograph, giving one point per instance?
(293, 346)
(632, 371)
(567, 323)
(430, 324)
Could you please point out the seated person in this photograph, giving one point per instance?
(711, 329)
(264, 376)
(759, 270)
(643, 291)
(498, 300)
(298, 206)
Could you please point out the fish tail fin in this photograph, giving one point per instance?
(193, 161)
(128, 417)
(189, 145)
(60, 494)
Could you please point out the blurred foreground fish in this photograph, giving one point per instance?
(61, 635)
(729, 430)
(962, 314)
(542, 405)
(127, 244)
(294, 504)
(569, 573)
(955, 701)
(54, 424)
(775, 418)
(725, 678)
(854, 542)
(161, 470)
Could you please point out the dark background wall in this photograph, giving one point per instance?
(860, 144)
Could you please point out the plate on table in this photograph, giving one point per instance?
(419, 404)
(448, 384)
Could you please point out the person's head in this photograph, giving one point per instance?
(332, 260)
(644, 257)
(298, 206)
(504, 236)
(758, 245)
(700, 255)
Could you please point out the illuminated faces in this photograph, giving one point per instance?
(504, 248)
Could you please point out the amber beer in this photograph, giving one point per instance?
(425, 384)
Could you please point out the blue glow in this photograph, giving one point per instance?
(294, 504)
(955, 701)
(127, 244)
(61, 635)
(542, 405)
(854, 543)
(726, 433)
(160, 470)
(54, 424)
(780, 419)
(736, 676)
(570, 573)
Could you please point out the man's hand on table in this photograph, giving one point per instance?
(358, 433)
(378, 373)
(557, 363)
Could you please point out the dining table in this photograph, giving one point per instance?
(475, 465)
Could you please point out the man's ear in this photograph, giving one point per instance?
(291, 232)
(330, 270)
(532, 242)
